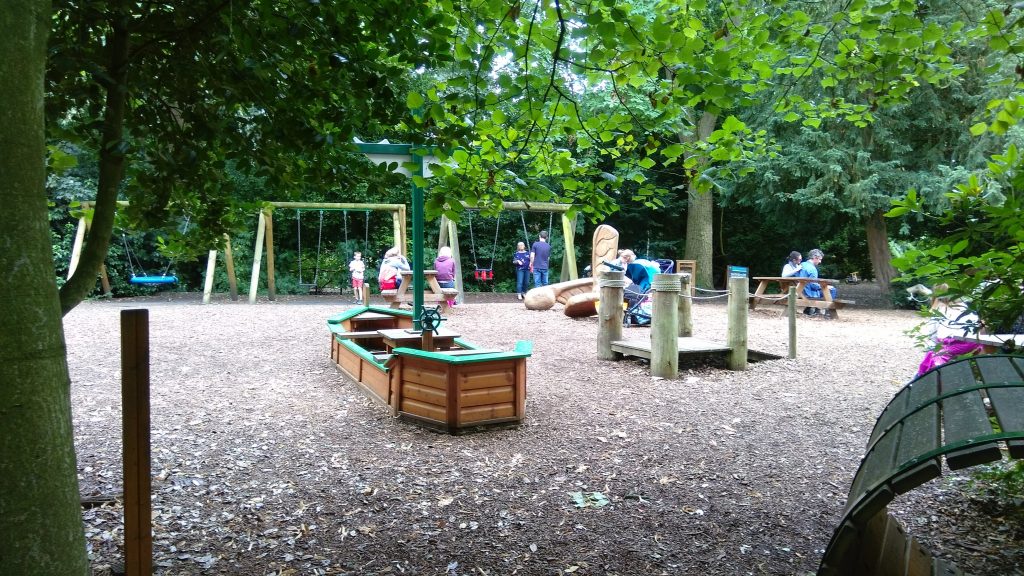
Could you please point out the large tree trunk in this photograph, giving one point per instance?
(40, 516)
(111, 166)
(700, 214)
(878, 249)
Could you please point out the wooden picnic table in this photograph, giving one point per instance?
(432, 292)
(826, 302)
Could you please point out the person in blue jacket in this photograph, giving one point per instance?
(521, 260)
(809, 269)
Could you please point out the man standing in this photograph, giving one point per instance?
(540, 252)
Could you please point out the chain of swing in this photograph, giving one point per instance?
(319, 241)
(488, 273)
(145, 278)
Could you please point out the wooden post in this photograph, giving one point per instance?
(76, 248)
(685, 306)
(791, 314)
(257, 255)
(569, 253)
(611, 286)
(427, 340)
(211, 267)
(366, 294)
(453, 241)
(665, 326)
(737, 330)
(271, 284)
(138, 521)
(229, 264)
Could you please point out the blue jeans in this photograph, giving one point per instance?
(522, 280)
(540, 277)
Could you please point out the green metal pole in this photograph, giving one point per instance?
(417, 245)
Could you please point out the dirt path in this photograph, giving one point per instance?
(268, 461)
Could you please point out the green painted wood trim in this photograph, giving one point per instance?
(342, 316)
(472, 359)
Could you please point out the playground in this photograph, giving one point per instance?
(267, 460)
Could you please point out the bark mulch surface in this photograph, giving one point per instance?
(267, 460)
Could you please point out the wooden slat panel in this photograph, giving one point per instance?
(425, 394)
(375, 380)
(868, 492)
(491, 376)
(964, 418)
(482, 396)
(871, 540)
(423, 410)
(484, 413)
(841, 550)
(425, 373)
(894, 549)
(1008, 403)
(920, 434)
(918, 561)
(896, 409)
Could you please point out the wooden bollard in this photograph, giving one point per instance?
(665, 326)
(791, 312)
(612, 285)
(138, 519)
(685, 306)
(737, 330)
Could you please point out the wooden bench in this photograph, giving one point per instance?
(432, 293)
(946, 413)
(784, 283)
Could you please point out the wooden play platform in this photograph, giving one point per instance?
(451, 386)
(689, 349)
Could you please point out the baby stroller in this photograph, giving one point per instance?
(638, 307)
(637, 303)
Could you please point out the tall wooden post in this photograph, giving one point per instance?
(138, 521)
(211, 267)
(271, 283)
(737, 330)
(611, 285)
(229, 264)
(685, 306)
(665, 326)
(257, 256)
(791, 314)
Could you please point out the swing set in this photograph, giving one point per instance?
(315, 285)
(265, 236)
(449, 236)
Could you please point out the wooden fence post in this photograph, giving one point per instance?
(685, 306)
(138, 521)
(665, 326)
(611, 285)
(737, 330)
(791, 313)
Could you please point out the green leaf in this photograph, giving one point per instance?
(414, 100)
(979, 129)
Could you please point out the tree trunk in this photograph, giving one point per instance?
(700, 214)
(111, 166)
(878, 249)
(40, 517)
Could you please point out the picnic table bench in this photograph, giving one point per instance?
(826, 302)
(432, 293)
(947, 412)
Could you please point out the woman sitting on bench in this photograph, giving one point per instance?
(812, 290)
